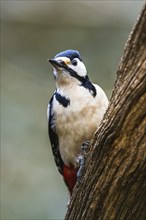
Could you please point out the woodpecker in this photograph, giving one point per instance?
(74, 112)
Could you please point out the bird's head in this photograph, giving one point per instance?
(68, 65)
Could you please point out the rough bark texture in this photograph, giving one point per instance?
(113, 184)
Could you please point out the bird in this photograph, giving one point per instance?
(74, 112)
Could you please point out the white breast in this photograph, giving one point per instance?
(78, 122)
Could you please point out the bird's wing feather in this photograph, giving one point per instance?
(53, 136)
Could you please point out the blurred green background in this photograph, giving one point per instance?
(32, 32)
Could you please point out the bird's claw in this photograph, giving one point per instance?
(85, 147)
(82, 158)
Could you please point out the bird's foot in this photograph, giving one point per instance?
(85, 148)
(82, 158)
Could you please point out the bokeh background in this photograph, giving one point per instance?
(32, 32)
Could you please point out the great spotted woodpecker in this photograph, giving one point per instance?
(74, 112)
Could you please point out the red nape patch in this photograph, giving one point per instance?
(70, 176)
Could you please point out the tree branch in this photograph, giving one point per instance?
(113, 185)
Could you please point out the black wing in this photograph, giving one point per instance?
(54, 137)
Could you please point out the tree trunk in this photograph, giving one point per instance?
(113, 183)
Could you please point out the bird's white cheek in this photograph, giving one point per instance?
(80, 69)
(57, 72)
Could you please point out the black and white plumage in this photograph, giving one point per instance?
(74, 112)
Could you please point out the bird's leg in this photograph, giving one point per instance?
(82, 158)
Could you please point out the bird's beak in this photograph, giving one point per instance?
(53, 62)
(56, 63)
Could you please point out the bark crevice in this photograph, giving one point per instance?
(113, 184)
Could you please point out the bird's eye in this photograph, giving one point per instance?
(62, 62)
(74, 62)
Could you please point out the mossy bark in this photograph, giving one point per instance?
(113, 184)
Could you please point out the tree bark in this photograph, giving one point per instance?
(113, 183)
